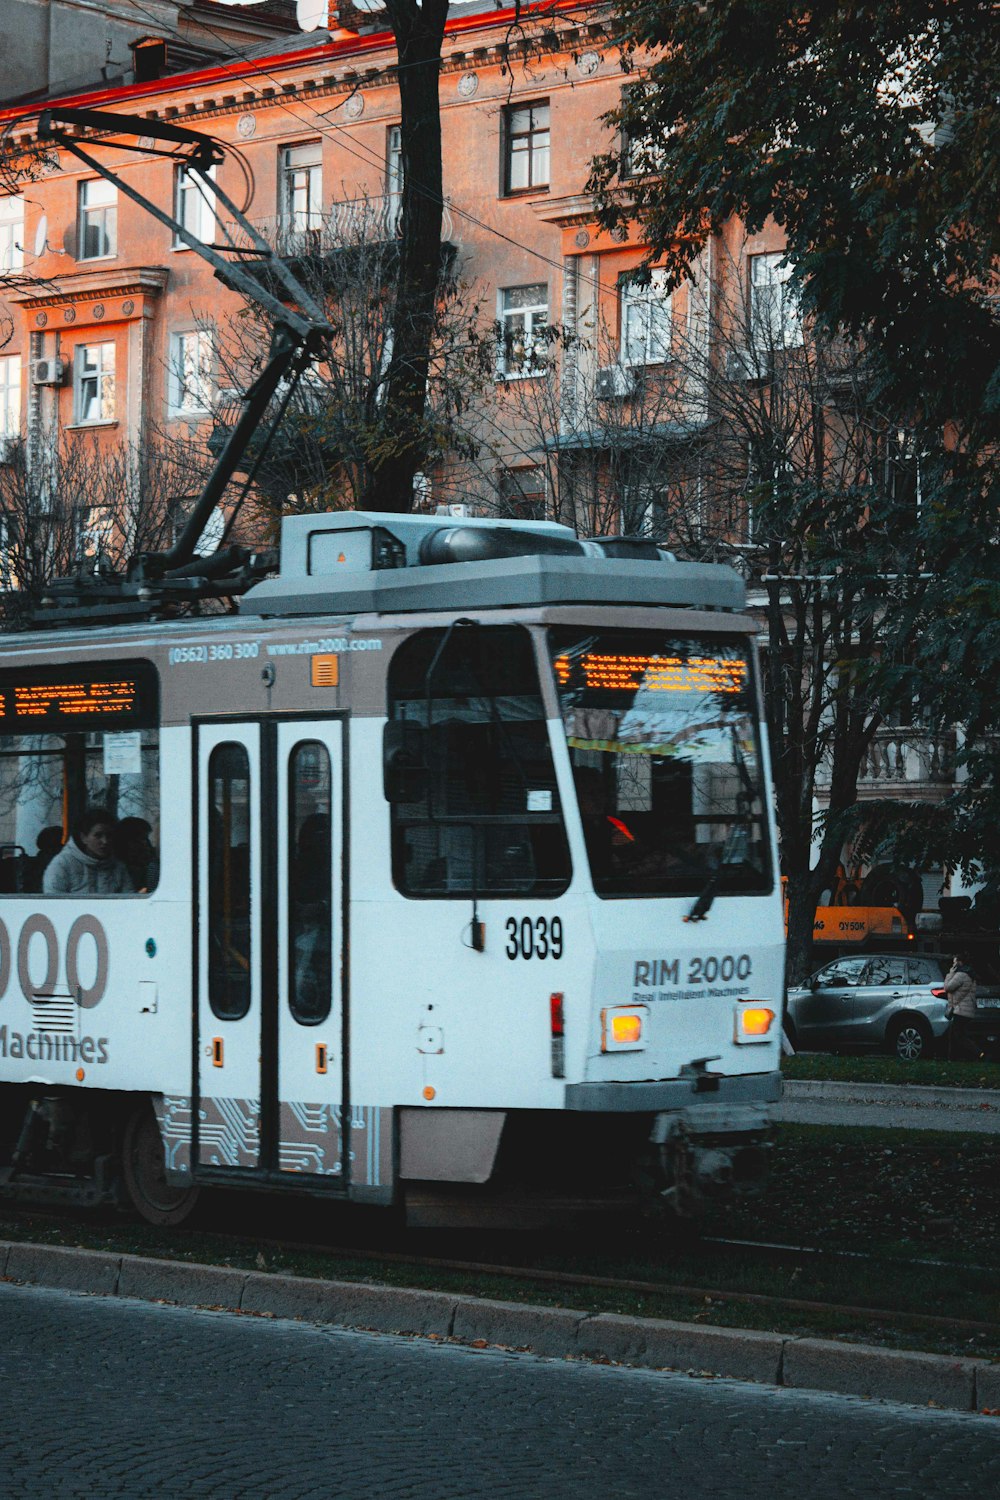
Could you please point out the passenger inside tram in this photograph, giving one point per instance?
(87, 862)
(48, 842)
(134, 847)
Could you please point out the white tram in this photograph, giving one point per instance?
(462, 881)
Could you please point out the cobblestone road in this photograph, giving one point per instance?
(103, 1398)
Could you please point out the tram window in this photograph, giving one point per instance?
(229, 949)
(310, 911)
(55, 764)
(663, 737)
(484, 816)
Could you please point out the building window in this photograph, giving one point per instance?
(194, 206)
(10, 396)
(190, 373)
(94, 381)
(524, 320)
(301, 188)
(526, 148)
(902, 474)
(8, 552)
(521, 493)
(645, 320)
(11, 234)
(95, 526)
(98, 220)
(642, 155)
(394, 162)
(775, 313)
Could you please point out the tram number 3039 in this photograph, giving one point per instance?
(534, 937)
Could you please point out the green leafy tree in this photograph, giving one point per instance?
(869, 131)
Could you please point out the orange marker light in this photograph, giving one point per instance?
(626, 1029)
(622, 1029)
(429, 1092)
(80, 1075)
(756, 1021)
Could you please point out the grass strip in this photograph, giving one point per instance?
(931, 1072)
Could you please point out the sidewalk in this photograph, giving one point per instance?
(889, 1106)
(562, 1333)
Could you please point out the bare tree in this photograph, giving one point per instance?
(336, 425)
(84, 508)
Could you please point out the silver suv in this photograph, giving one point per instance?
(895, 1001)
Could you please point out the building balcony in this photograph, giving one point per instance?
(905, 761)
(348, 225)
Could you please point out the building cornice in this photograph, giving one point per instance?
(346, 53)
(97, 287)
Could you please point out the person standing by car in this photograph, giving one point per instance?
(960, 986)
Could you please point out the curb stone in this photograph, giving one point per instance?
(776, 1359)
(655, 1343)
(891, 1106)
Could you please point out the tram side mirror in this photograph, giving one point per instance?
(404, 762)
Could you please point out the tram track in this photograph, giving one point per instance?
(709, 1295)
(369, 1259)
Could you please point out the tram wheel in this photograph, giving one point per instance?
(144, 1171)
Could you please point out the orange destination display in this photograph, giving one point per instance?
(628, 673)
(119, 697)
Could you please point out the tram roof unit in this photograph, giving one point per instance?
(369, 562)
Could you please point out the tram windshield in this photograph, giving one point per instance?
(664, 744)
(475, 809)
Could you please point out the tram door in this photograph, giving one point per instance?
(270, 1017)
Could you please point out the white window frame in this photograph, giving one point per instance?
(194, 207)
(95, 528)
(10, 396)
(11, 233)
(642, 156)
(189, 373)
(775, 312)
(646, 320)
(522, 353)
(394, 162)
(300, 189)
(101, 214)
(527, 141)
(8, 553)
(94, 384)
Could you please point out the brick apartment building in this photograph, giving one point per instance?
(116, 338)
(117, 333)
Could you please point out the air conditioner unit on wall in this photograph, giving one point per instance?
(614, 383)
(48, 372)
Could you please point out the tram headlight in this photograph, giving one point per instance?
(752, 1023)
(623, 1028)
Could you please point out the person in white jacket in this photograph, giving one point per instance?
(86, 864)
